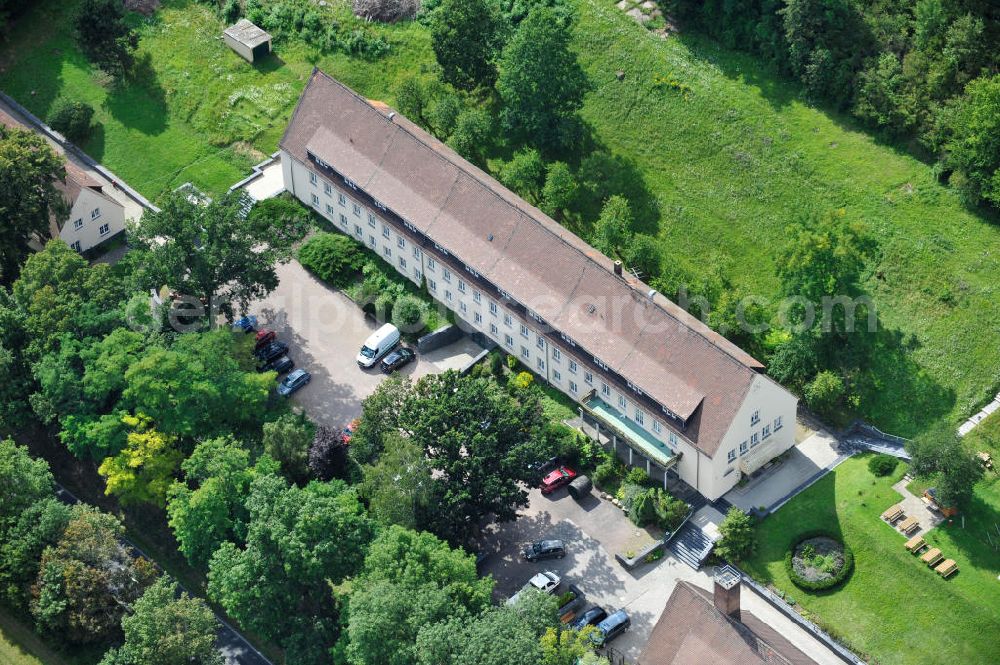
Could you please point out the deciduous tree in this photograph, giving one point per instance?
(104, 36)
(142, 471)
(287, 440)
(398, 486)
(559, 192)
(466, 36)
(738, 536)
(524, 174)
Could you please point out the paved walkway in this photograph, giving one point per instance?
(971, 423)
(914, 506)
(594, 530)
(268, 184)
(803, 465)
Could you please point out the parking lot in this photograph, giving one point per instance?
(324, 330)
(593, 531)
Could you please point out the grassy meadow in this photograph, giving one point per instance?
(893, 609)
(724, 153)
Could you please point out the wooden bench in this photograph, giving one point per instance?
(893, 513)
(909, 525)
(931, 556)
(946, 568)
(915, 544)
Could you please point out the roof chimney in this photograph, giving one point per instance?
(727, 592)
(618, 268)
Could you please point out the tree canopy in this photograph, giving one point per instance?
(466, 36)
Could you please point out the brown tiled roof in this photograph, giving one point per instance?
(672, 357)
(692, 630)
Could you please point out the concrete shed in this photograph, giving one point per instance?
(249, 41)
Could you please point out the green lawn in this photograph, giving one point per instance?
(738, 158)
(719, 171)
(893, 608)
(20, 645)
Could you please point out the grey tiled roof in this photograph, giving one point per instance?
(669, 355)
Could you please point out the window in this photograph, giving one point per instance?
(447, 295)
(77, 224)
(507, 321)
(350, 183)
(327, 189)
(605, 390)
(743, 448)
(343, 217)
(556, 376)
(754, 439)
(416, 253)
(402, 263)
(623, 403)
(493, 308)
(478, 317)
(447, 275)
(639, 417)
(525, 353)
(572, 387)
(431, 263)
(540, 342)
(462, 306)
(755, 417)
(461, 286)
(387, 252)
(477, 296)
(493, 329)
(401, 242)
(540, 363)
(672, 439)
(417, 275)
(76, 246)
(573, 367)
(105, 229)
(341, 199)
(315, 201)
(556, 355)
(329, 209)
(357, 209)
(766, 432)
(312, 178)
(524, 331)
(371, 241)
(732, 456)
(358, 231)
(385, 231)
(432, 285)
(777, 423)
(508, 340)
(657, 427)
(588, 378)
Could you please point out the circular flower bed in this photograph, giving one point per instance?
(818, 561)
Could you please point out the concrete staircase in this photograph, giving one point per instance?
(691, 545)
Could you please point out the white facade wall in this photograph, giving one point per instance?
(93, 219)
(564, 367)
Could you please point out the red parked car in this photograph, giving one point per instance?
(264, 337)
(556, 479)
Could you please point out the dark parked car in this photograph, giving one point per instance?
(539, 469)
(545, 549)
(281, 364)
(591, 617)
(264, 337)
(245, 324)
(293, 382)
(556, 479)
(271, 351)
(397, 359)
(612, 627)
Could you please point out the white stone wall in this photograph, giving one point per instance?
(561, 365)
(91, 214)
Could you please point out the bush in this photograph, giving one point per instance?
(385, 10)
(232, 11)
(408, 313)
(333, 258)
(819, 585)
(71, 119)
(637, 476)
(882, 465)
(522, 380)
(825, 392)
(609, 474)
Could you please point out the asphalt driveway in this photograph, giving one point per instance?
(324, 330)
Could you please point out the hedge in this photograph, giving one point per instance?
(820, 585)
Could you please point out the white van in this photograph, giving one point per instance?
(380, 343)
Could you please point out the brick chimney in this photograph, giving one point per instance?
(727, 592)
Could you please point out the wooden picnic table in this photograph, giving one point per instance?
(931, 556)
(909, 524)
(915, 544)
(893, 513)
(946, 568)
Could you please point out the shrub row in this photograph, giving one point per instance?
(820, 585)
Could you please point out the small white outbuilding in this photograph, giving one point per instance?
(249, 41)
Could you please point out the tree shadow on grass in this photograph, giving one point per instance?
(979, 539)
(140, 102)
(95, 144)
